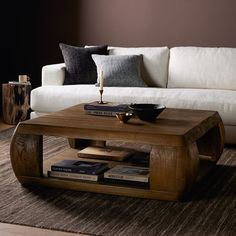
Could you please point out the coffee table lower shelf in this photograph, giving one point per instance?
(178, 146)
(100, 187)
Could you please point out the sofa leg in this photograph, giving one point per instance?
(81, 143)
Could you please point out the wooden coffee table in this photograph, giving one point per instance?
(181, 139)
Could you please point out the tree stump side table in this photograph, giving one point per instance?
(15, 102)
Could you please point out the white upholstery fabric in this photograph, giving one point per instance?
(53, 74)
(199, 78)
(35, 114)
(197, 67)
(155, 63)
(49, 98)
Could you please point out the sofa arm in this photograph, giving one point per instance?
(53, 74)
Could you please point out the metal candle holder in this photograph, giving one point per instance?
(101, 101)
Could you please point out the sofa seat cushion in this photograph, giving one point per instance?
(53, 98)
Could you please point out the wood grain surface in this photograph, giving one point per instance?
(16, 99)
(179, 139)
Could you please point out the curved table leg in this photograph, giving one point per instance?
(173, 169)
(26, 152)
(212, 143)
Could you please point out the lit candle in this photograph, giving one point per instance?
(101, 80)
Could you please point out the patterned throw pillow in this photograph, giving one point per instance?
(80, 67)
(120, 70)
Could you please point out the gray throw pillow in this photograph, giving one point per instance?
(120, 70)
(80, 67)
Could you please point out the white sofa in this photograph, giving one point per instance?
(180, 77)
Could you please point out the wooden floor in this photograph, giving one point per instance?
(19, 230)
(4, 126)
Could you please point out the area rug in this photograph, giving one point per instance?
(209, 210)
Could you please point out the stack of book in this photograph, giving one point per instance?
(107, 109)
(128, 174)
(81, 170)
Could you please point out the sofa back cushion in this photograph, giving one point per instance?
(198, 67)
(80, 67)
(154, 68)
(119, 70)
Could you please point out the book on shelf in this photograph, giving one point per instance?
(105, 153)
(112, 107)
(130, 173)
(69, 175)
(82, 167)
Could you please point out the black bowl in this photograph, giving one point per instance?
(147, 112)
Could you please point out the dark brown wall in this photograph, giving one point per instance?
(17, 40)
(57, 21)
(158, 22)
(32, 30)
(30, 34)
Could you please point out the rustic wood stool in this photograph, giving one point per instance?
(15, 102)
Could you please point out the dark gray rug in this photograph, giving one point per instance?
(209, 210)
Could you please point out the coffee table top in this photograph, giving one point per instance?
(173, 126)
